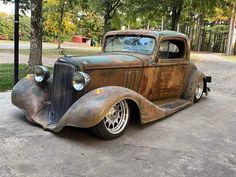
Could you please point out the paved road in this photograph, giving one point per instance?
(198, 141)
(24, 46)
(223, 73)
(9, 58)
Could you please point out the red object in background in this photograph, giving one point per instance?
(80, 39)
(4, 38)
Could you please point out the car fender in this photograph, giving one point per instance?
(189, 92)
(92, 107)
(30, 96)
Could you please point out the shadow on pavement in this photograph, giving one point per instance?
(86, 137)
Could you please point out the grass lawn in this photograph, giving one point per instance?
(12, 42)
(7, 75)
(53, 53)
(232, 57)
(194, 57)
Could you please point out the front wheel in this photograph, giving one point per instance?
(115, 122)
(199, 91)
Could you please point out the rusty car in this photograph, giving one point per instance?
(139, 74)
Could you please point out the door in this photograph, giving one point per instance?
(170, 69)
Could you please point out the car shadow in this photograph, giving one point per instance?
(20, 115)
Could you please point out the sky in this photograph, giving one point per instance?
(7, 8)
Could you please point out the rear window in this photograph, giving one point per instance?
(172, 49)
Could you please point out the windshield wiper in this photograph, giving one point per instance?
(135, 40)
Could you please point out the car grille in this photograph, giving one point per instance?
(63, 92)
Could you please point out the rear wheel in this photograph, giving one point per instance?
(115, 122)
(199, 91)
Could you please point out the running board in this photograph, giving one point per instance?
(173, 105)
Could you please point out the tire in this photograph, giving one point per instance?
(114, 124)
(198, 91)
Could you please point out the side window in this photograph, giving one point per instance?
(172, 49)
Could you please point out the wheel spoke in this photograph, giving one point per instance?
(116, 120)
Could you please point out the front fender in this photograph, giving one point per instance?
(31, 97)
(92, 107)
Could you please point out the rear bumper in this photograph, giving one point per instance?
(207, 89)
(208, 79)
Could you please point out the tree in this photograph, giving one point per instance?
(35, 56)
(156, 10)
(6, 25)
(89, 24)
(231, 30)
(60, 19)
(177, 7)
(107, 9)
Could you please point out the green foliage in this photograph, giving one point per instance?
(24, 28)
(58, 19)
(7, 26)
(218, 28)
(107, 9)
(89, 24)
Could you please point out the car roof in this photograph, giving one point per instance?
(148, 32)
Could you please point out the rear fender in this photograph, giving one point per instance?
(92, 107)
(189, 92)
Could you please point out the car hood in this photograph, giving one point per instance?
(104, 61)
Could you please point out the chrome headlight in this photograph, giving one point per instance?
(80, 80)
(41, 74)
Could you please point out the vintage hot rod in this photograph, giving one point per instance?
(141, 74)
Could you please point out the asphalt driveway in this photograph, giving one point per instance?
(198, 141)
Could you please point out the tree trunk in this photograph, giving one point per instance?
(162, 23)
(110, 11)
(231, 31)
(35, 56)
(176, 14)
(174, 19)
(106, 24)
(209, 42)
(200, 31)
(59, 41)
(148, 25)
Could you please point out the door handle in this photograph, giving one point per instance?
(184, 66)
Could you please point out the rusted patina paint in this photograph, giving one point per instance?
(93, 107)
(158, 87)
(127, 77)
(31, 97)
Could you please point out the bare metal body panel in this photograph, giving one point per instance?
(157, 87)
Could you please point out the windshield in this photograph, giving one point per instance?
(139, 44)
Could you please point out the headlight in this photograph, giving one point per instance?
(41, 74)
(80, 80)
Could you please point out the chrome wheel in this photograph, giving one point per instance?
(199, 89)
(117, 118)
